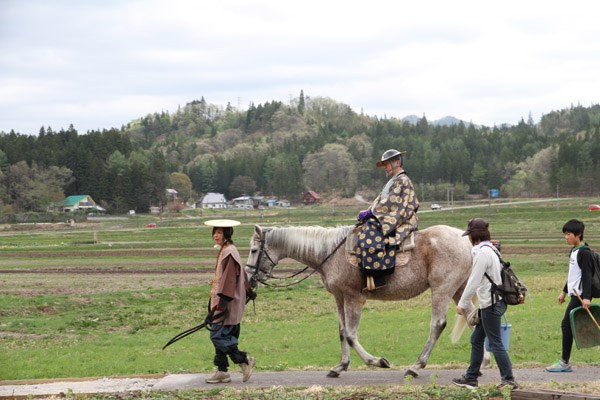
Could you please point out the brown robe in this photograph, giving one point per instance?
(230, 280)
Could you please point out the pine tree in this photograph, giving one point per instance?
(301, 103)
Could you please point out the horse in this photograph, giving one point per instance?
(441, 260)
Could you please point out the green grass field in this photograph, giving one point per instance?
(69, 308)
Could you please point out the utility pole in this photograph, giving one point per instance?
(452, 198)
(333, 203)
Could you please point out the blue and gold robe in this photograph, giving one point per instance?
(394, 217)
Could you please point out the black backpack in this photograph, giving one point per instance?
(595, 273)
(511, 289)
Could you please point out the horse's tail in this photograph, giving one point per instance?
(459, 325)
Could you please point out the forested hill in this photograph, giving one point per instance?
(277, 149)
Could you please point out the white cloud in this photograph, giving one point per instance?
(100, 64)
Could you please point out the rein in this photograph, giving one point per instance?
(264, 250)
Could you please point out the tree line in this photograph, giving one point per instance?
(278, 149)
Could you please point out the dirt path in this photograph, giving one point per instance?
(528, 377)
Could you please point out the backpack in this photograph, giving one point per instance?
(595, 273)
(511, 289)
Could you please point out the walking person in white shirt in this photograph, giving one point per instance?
(485, 260)
(580, 280)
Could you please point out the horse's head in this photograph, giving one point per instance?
(260, 261)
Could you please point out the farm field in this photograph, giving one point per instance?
(73, 308)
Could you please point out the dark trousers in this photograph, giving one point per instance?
(491, 318)
(225, 339)
(567, 333)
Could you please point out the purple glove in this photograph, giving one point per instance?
(364, 215)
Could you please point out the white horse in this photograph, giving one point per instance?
(441, 260)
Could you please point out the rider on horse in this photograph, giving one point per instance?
(391, 217)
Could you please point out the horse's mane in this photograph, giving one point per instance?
(298, 241)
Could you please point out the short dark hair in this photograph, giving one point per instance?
(480, 236)
(574, 226)
(227, 232)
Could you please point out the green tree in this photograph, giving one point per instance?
(330, 168)
(479, 178)
(182, 184)
(33, 188)
(242, 185)
(118, 172)
(301, 104)
(3, 161)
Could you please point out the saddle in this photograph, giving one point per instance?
(403, 252)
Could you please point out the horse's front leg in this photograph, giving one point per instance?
(352, 310)
(439, 307)
(345, 360)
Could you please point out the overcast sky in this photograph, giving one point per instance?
(100, 64)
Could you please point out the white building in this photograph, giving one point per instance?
(243, 202)
(172, 193)
(213, 200)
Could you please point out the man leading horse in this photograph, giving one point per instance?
(387, 222)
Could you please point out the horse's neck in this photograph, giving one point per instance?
(309, 246)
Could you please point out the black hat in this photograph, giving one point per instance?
(476, 225)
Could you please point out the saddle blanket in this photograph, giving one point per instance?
(402, 251)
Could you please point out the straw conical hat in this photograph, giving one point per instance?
(222, 223)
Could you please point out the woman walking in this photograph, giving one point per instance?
(230, 287)
(485, 262)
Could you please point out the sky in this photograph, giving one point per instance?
(101, 64)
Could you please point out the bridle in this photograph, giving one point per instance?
(264, 255)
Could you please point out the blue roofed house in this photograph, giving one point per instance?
(74, 203)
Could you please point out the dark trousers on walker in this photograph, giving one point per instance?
(567, 333)
(225, 339)
(490, 328)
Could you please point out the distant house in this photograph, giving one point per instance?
(271, 203)
(250, 202)
(155, 210)
(282, 203)
(257, 202)
(311, 197)
(172, 193)
(74, 203)
(214, 200)
(243, 202)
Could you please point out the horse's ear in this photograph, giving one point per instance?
(258, 230)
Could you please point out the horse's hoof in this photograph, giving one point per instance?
(410, 372)
(383, 363)
(333, 374)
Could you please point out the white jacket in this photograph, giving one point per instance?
(485, 260)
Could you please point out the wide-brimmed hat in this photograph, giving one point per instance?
(222, 223)
(389, 154)
(476, 225)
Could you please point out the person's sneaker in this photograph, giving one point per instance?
(219, 377)
(560, 366)
(464, 382)
(247, 368)
(513, 385)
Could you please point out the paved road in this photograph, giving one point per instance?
(293, 378)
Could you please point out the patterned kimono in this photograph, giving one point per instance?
(394, 217)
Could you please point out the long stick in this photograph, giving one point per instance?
(587, 309)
